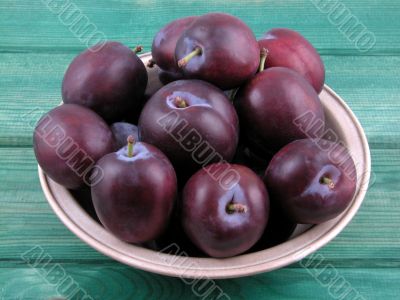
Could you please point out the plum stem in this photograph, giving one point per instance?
(232, 94)
(236, 207)
(326, 180)
(180, 102)
(131, 141)
(151, 63)
(263, 58)
(184, 61)
(138, 49)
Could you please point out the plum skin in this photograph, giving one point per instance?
(269, 104)
(135, 198)
(164, 44)
(57, 130)
(121, 131)
(230, 53)
(288, 48)
(294, 177)
(209, 113)
(110, 81)
(208, 224)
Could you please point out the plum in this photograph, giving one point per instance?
(225, 209)
(288, 48)
(111, 81)
(192, 122)
(218, 48)
(276, 107)
(68, 141)
(313, 180)
(135, 198)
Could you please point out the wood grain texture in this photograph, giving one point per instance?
(114, 281)
(35, 49)
(32, 26)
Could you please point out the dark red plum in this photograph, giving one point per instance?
(225, 209)
(192, 122)
(164, 44)
(121, 131)
(111, 81)
(287, 48)
(276, 107)
(218, 48)
(135, 198)
(68, 141)
(312, 180)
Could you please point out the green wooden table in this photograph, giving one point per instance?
(37, 41)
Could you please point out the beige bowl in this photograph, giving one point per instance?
(306, 240)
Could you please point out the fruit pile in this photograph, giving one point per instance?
(185, 173)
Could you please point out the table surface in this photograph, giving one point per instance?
(37, 42)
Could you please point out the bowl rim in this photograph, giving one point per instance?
(233, 266)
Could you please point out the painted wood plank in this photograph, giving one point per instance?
(31, 83)
(371, 240)
(114, 281)
(31, 25)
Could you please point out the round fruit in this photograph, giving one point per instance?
(135, 197)
(312, 180)
(287, 48)
(68, 141)
(192, 122)
(110, 80)
(225, 209)
(218, 48)
(278, 106)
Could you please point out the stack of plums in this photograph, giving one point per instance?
(173, 166)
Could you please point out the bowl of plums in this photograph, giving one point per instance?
(215, 155)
